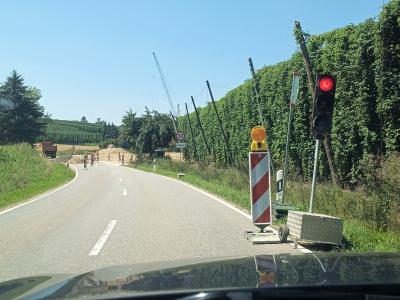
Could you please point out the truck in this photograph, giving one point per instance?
(48, 149)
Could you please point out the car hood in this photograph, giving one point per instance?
(261, 271)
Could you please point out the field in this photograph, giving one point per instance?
(73, 132)
(360, 209)
(24, 174)
(64, 147)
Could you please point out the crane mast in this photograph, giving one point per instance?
(164, 83)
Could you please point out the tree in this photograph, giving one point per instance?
(22, 123)
(148, 132)
(130, 129)
(84, 120)
(156, 132)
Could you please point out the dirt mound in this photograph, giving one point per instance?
(174, 156)
(76, 159)
(116, 154)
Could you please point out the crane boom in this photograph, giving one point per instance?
(164, 82)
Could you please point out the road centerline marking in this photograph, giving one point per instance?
(124, 192)
(103, 238)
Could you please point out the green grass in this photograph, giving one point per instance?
(357, 208)
(361, 237)
(207, 178)
(24, 174)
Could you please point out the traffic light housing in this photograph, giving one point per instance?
(323, 104)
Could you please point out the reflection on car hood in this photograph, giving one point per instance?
(257, 271)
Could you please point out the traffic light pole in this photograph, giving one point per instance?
(314, 178)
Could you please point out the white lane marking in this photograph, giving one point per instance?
(103, 238)
(125, 192)
(42, 196)
(223, 202)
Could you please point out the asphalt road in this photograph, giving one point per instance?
(112, 215)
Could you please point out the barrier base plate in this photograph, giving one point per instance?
(259, 237)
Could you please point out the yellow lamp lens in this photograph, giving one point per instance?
(258, 134)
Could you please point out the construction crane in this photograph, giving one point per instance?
(173, 112)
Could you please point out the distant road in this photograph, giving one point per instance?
(112, 215)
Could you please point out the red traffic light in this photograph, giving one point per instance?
(326, 84)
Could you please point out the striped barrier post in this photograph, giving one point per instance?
(260, 191)
(260, 179)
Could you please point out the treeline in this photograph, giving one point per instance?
(22, 119)
(78, 132)
(366, 125)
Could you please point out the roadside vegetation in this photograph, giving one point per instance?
(365, 135)
(371, 213)
(364, 57)
(78, 132)
(24, 174)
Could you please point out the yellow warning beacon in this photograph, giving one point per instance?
(259, 136)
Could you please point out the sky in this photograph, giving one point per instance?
(94, 58)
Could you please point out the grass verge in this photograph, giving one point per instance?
(223, 188)
(25, 174)
(354, 207)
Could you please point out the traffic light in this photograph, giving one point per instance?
(324, 100)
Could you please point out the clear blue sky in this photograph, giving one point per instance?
(94, 58)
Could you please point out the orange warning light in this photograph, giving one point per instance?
(259, 136)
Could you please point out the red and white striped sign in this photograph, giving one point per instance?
(260, 192)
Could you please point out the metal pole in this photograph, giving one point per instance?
(180, 163)
(293, 98)
(255, 84)
(201, 127)
(191, 132)
(314, 178)
(286, 152)
(256, 88)
(220, 124)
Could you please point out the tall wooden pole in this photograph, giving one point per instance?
(201, 127)
(220, 125)
(173, 121)
(191, 132)
(258, 100)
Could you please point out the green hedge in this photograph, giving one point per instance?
(366, 60)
